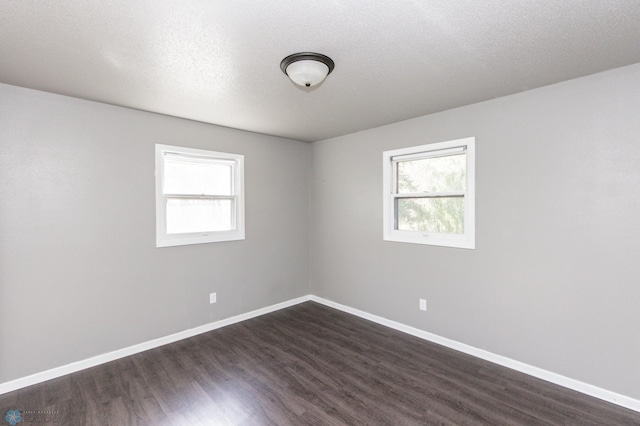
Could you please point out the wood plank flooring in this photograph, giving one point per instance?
(306, 365)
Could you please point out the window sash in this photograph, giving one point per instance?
(437, 222)
(428, 195)
(195, 160)
(396, 196)
(232, 198)
(420, 156)
(217, 220)
(429, 154)
(201, 196)
(211, 219)
(392, 197)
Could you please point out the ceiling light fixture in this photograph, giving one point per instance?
(307, 68)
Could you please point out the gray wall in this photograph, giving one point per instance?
(555, 279)
(79, 271)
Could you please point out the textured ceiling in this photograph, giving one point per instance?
(217, 61)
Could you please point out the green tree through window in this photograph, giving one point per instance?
(429, 194)
(433, 188)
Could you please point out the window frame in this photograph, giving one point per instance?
(390, 195)
(237, 162)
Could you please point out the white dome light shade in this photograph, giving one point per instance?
(307, 73)
(307, 69)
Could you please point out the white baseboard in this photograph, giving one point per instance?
(141, 347)
(615, 398)
(585, 388)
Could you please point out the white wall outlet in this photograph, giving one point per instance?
(423, 304)
(212, 298)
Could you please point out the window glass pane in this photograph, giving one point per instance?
(444, 215)
(198, 215)
(196, 177)
(438, 174)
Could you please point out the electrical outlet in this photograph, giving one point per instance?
(212, 298)
(423, 304)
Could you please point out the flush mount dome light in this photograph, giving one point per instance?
(307, 68)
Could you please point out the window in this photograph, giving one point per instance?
(199, 196)
(429, 194)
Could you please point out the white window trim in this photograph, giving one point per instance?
(466, 240)
(167, 240)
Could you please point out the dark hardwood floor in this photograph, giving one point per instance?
(306, 365)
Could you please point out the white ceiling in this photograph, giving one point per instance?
(218, 61)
